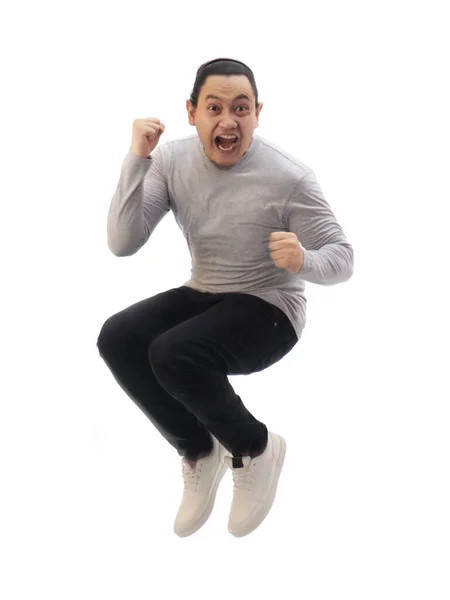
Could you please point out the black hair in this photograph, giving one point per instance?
(221, 66)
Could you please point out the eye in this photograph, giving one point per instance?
(212, 106)
(242, 106)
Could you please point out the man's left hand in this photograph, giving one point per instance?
(286, 251)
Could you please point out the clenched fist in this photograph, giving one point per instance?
(286, 251)
(145, 137)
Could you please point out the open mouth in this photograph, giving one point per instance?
(226, 143)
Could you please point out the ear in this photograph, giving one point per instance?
(258, 110)
(191, 110)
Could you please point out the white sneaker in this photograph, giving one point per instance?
(200, 488)
(255, 486)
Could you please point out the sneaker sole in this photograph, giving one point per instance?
(259, 517)
(208, 510)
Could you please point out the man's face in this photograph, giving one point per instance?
(226, 106)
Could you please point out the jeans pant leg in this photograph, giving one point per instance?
(123, 343)
(238, 335)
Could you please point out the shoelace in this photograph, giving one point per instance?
(190, 478)
(242, 478)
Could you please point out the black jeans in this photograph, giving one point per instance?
(172, 353)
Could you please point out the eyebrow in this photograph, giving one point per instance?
(238, 97)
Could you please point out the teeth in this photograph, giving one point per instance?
(227, 137)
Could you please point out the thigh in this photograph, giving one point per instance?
(148, 318)
(238, 335)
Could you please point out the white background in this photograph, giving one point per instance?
(89, 489)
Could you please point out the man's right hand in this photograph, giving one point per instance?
(146, 134)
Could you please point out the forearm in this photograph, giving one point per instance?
(135, 211)
(331, 264)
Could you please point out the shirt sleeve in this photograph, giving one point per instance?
(328, 255)
(140, 202)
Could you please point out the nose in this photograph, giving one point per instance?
(228, 122)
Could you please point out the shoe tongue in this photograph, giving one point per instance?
(186, 465)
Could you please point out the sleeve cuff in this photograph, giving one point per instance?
(306, 268)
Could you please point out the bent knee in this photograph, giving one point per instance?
(110, 333)
(158, 351)
(162, 351)
(167, 354)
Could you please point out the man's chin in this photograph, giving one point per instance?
(224, 158)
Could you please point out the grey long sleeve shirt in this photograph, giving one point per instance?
(227, 214)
